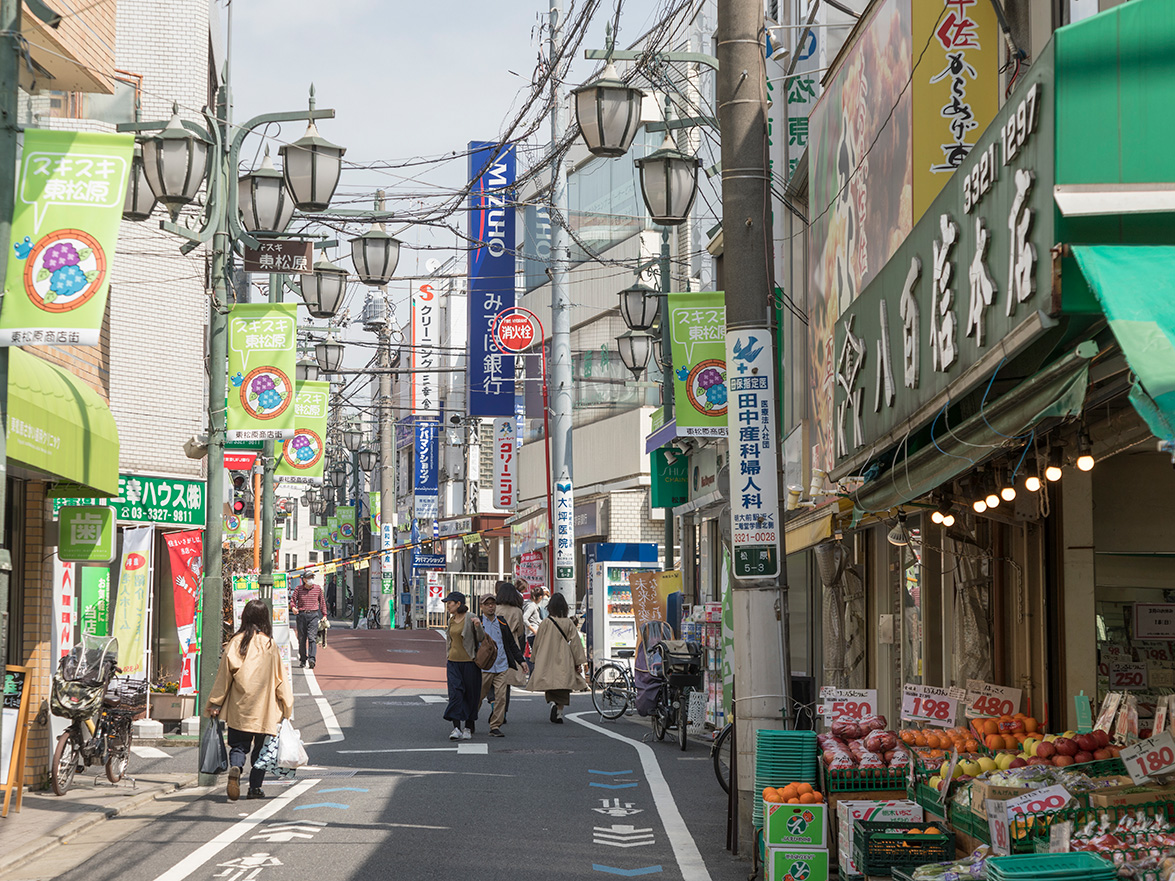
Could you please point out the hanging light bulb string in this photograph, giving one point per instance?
(1031, 440)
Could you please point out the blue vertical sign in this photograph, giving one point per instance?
(424, 486)
(491, 275)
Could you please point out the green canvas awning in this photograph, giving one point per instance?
(1135, 285)
(59, 425)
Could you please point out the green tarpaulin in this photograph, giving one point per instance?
(1135, 285)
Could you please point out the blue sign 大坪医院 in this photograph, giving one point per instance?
(491, 275)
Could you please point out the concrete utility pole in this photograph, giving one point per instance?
(10, 54)
(387, 465)
(761, 648)
(560, 373)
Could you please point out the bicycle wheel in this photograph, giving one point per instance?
(65, 762)
(720, 752)
(119, 755)
(610, 691)
(683, 719)
(660, 717)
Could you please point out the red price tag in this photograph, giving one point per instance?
(1150, 758)
(1127, 676)
(934, 706)
(997, 826)
(1051, 798)
(987, 700)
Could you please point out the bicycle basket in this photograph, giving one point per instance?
(127, 695)
(681, 656)
(74, 699)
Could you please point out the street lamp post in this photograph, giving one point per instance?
(174, 170)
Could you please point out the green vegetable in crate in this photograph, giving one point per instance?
(974, 866)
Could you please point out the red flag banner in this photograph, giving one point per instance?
(186, 553)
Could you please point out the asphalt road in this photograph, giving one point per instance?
(388, 794)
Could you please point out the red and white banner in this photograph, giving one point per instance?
(185, 551)
(64, 594)
(505, 464)
(531, 567)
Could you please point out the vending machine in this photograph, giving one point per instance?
(611, 626)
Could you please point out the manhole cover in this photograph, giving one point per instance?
(537, 752)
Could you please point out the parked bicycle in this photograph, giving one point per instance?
(720, 755)
(681, 663)
(100, 707)
(613, 688)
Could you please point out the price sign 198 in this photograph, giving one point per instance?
(929, 708)
(931, 705)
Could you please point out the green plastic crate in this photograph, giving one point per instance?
(880, 847)
(1080, 866)
(865, 780)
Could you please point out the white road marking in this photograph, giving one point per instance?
(685, 850)
(473, 749)
(149, 752)
(467, 749)
(205, 852)
(434, 699)
(333, 731)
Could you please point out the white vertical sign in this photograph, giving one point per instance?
(753, 436)
(387, 542)
(564, 533)
(426, 324)
(505, 464)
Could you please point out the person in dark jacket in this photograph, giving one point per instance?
(508, 666)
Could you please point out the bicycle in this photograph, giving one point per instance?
(720, 755)
(613, 688)
(100, 708)
(681, 665)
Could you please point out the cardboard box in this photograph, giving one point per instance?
(981, 791)
(809, 863)
(1130, 795)
(874, 811)
(795, 825)
(835, 799)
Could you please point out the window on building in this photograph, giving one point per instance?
(314, 556)
(287, 562)
(295, 566)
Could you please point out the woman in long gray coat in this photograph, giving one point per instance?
(558, 658)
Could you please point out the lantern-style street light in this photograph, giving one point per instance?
(638, 306)
(139, 201)
(669, 182)
(329, 355)
(368, 459)
(312, 166)
(635, 347)
(306, 370)
(608, 111)
(353, 438)
(323, 289)
(375, 255)
(265, 203)
(174, 162)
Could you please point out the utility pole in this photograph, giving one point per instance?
(387, 464)
(560, 376)
(666, 373)
(10, 54)
(761, 652)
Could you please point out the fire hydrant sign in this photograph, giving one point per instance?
(985, 699)
(754, 483)
(931, 705)
(846, 703)
(1150, 758)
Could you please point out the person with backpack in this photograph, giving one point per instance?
(463, 635)
(558, 658)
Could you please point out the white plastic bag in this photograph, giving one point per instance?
(290, 752)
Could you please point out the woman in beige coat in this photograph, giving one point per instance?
(251, 694)
(558, 657)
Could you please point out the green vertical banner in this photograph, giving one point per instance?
(373, 505)
(697, 326)
(95, 600)
(303, 455)
(64, 233)
(333, 530)
(261, 359)
(321, 538)
(346, 515)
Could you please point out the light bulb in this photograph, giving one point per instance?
(1053, 473)
(1008, 493)
(993, 501)
(979, 505)
(948, 520)
(1085, 462)
(937, 517)
(1032, 484)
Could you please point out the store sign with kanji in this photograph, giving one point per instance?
(279, 255)
(167, 501)
(85, 534)
(971, 273)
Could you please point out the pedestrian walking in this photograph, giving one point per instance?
(532, 617)
(507, 668)
(463, 634)
(332, 597)
(251, 695)
(510, 604)
(309, 605)
(558, 658)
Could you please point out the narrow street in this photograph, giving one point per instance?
(387, 791)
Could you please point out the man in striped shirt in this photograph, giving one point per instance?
(309, 605)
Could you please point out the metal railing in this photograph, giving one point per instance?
(474, 585)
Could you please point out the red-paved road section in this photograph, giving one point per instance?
(381, 659)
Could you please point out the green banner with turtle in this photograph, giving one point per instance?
(262, 339)
(303, 455)
(69, 197)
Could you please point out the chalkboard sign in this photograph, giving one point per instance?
(14, 734)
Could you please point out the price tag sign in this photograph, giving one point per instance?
(1154, 621)
(853, 704)
(984, 699)
(930, 705)
(1128, 675)
(998, 827)
(1150, 758)
(1154, 653)
(948, 778)
(1060, 836)
(1051, 798)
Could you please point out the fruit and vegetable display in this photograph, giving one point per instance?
(866, 744)
(793, 794)
(1141, 846)
(970, 867)
(1062, 750)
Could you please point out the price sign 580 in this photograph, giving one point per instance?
(847, 703)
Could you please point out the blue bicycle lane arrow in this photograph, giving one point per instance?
(322, 804)
(610, 773)
(627, 873)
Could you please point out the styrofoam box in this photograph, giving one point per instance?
(873, 811)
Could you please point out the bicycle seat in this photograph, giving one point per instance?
(625, 653)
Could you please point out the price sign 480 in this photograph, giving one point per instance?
(991, 705)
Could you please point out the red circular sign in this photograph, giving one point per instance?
(514, 332)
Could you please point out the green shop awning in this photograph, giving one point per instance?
(1135, 285)
(59, 425)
